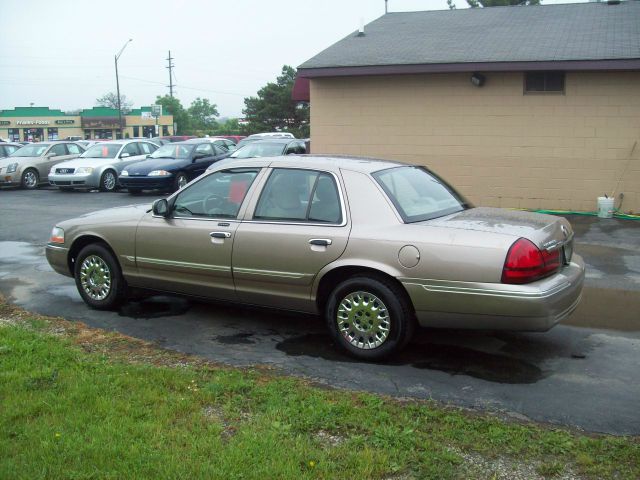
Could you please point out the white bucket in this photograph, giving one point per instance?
(605, 207)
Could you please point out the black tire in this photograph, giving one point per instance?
(108, 181)
(30, 179)
(180, 180)
(134, 191)
(400, 319)
(99, 277)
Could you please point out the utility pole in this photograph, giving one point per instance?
(170, 67)
(116, 57)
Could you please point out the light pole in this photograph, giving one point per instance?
(118, 85)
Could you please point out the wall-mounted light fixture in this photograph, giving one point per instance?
(478, 79)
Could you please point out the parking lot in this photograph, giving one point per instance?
(584, 373)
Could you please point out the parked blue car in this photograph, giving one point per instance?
(172, 166)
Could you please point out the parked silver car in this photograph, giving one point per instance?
(29, 166)
(7, 148)
(100, 165)
(377, 247)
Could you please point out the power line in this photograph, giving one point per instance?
(188, 88)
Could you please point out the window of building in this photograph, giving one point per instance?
(136, 131)
(541, 82)
(103, 134)
(52, 134)
(87, 134)
(14, 135)
(165, 130)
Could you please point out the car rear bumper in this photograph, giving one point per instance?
(147, 183)
(537, 306)
(57, 258)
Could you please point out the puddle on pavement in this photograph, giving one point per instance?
(155, 307)
(451, 359)
(19, 252)
(607, 308)
(236, 339)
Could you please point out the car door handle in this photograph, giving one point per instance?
(220, 235)
(320, 242)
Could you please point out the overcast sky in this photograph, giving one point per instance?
(60, 53)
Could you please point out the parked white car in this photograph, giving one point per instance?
(100, 166)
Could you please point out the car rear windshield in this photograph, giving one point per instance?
(173, 150)
(31, 150)
(418, 194)
(102, 151)
(262, 149)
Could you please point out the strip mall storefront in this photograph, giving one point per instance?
(36, 124)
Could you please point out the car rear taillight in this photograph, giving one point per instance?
(526, 263)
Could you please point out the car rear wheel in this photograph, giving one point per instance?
(108, 181)
(30, 179)
(98, 277)
(180, 181)
(369, 317)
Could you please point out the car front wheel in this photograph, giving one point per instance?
(369, 318)
(180, 181)
(30, 179)
(108, 181)
(98, 277)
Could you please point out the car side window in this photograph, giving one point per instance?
(218, 195)
(291, 148)
(131, 149)
(220, 148)
(146, 148)
(301, 196)
(73, 149)
(58, 150)
(301, 148)
(204, 149)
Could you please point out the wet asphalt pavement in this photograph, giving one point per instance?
(584, 373)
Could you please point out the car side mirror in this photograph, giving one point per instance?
(125, 155)
(160, 208)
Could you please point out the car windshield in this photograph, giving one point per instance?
(418, 194)
(102, 151)
(173, 151)
(31, 150)
(262, 149)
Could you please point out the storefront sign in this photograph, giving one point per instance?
(5, 122)
(32, 122)
(65, 122)
(100, 122)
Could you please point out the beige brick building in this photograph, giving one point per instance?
(539, 134)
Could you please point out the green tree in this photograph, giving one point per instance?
(228, 127)
(274, 110)
(172, 106)
(203, 115)
(500, 3)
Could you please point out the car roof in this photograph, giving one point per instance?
(319, 162)
(275, 140)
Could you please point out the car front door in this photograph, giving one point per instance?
(202, 157)
(56, 154)
(190, 251)
(298, 226)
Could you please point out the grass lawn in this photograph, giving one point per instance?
(77, 402)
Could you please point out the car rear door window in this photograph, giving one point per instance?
(74, 149)
(131, 149)
(57, 150)
(146, 148)
(218, 195)
(300, 196)
(204, 150)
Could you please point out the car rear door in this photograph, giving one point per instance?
(299, 224)
(56, 154)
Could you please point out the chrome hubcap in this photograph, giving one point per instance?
(95, 277)
(30, 179)
(182, 181)
(363, 320)
(109, 181)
